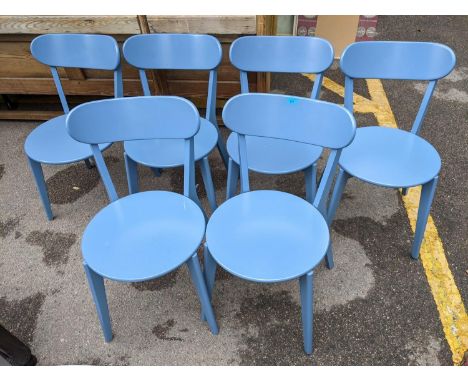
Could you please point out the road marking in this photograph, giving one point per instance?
(446, 295)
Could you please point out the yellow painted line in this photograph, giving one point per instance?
(446, 295)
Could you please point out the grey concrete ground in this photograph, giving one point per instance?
(373, 308)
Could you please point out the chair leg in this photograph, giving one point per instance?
(209, 273)
(311, 182)
(340, 184)
(96, 284)
(156, 171)
(89, 164)
(208, 182)
(36, 169)
(306, 284)
(425, 202)
(131, 167)
(232, 178)
(222, 150)
(199, 281)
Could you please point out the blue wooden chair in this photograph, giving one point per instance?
(145, 235)
(271, 236)
(176, 51)
(49, 143)
(279, 54)
(386, 156)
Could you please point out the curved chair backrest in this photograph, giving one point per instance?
(292, 118)
(397, 60)
(85, 51)
(173, 51)
(177, 52)
(281, 54)
(136, 118)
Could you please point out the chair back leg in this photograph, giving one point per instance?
(232, 179)
(208, 182)
(38, 174)
(425, 202)
(311, 182)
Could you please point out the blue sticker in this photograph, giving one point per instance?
(293, 100)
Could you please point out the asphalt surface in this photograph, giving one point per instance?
(373, 308)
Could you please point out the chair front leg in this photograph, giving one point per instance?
(427, 196)
(306, 284)
(208, 182)
(131, 167)
(209, 273)
(96, 284)
(311, 182)
(199, 281)
(340, 184)
(232, 178)
(38, 174)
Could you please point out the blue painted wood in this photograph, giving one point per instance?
(290, 54)
(290, 118)
(232, 179)
(398, 60)
(208, 182)
(173, 51)
(111, 119)
(205, 298)
(427, 196)
(50, 143)
(38, 175)
(131, 168)
(310, 174)
(177, 51)
(273, 236)
(307, 307)
(87, 51)
(98, 291)
(287, 54)
(270, 236)
(144, 235)
(391, 157)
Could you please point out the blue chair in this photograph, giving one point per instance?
(279, 54)
(271, 236)
(145, 235)
(49, 143)
(387, 156)
(176, 51)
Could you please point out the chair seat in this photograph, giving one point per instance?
(50, 143)
(267, 236)
(274, 156)
(390, 157)
(143, 236)
(164, 153)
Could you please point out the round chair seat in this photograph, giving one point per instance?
(267, 236)
(390, 157)
(274, 156)
(50, 143)
(143, 236)
(164, 153)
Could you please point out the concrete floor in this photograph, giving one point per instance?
(374, 308)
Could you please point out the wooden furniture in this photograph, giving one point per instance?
(20, 74)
